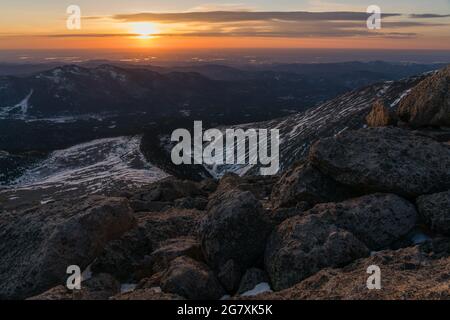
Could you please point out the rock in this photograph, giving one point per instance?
(152, 282)
(302, 246)
(384, 160)
(335, 234)
(124, 257)
(305, 184)
(208, 185)
(37, 245)
(279, 215)
(229, 276)
(377, 220)
(147, 294)
(128, 259)
(172, 249)
(381, 115)
(235, 228)
(191, 279)
(58, 293)
(198, 203)
(99, 287)
(230, 181)
(259, 186)
(406, 274)
(435, 209)
(170, 224)
(438, 134)
(161, 195)
(149, 206)
(251, 278)
(428, 103)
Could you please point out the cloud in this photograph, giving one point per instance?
(222, 7)
(296, 34)
(243, 16)
(276, 24)
(429, 16)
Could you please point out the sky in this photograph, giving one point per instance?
(192, 24)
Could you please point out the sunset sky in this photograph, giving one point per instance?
(190, 24)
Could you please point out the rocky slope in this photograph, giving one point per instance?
(371, 196)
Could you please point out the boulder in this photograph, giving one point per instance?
(151, 282)
(428, 103)
(235, 228)
(301, 246)
(198, 203)
(381, 115)
(384, 160)
(128, 258)
(305, 184)
(412, 273)
(191, 279)
(251, 279)
(259, 186)
(124, 257)
(377, 220)
(435, 210)
(335, 234)
(172, 249)
(38, 244)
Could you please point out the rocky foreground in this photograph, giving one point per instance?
(375, 196)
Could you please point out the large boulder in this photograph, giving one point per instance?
(37, 245)
(428, 104)
(384, 160)
(413, 273)
(302, 246)
(235, 228)
(435, 209)
(304, 184)
(335, 234)
(381, 115)
(377, 220)
(191, 279)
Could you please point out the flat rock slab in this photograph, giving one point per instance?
(385, 160)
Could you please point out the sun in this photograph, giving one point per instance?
(144, 30)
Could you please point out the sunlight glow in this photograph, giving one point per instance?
(145, 30)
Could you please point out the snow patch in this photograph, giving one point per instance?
(127, 287)
(20, 110)
(86, 274)
(419, 238)
(403, 95)
(95, 166)
(258, 289)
